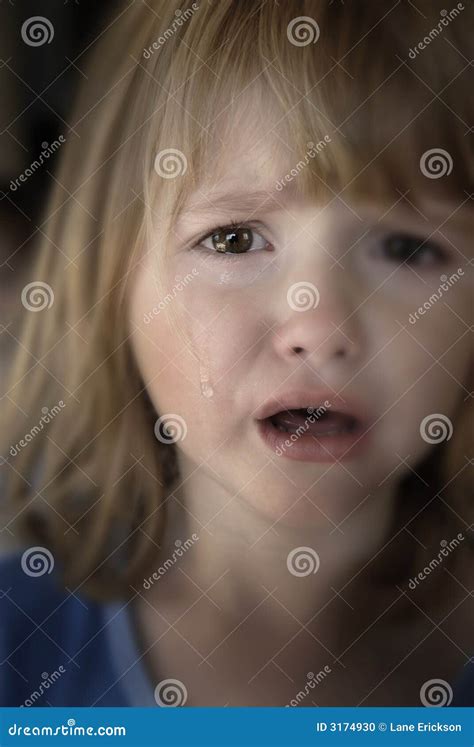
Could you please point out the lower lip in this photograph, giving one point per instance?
(309, 448)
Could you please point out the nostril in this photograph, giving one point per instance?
(339, 353)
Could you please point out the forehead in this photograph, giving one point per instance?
(249, 136)
(247, 148)
(256, 157)
(253, 143)
(244, 173)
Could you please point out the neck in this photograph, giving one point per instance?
(243, 557)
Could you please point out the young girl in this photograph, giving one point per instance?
(239, 427)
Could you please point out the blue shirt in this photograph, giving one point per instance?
(62, 649)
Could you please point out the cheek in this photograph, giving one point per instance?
(424, 372)
(417, 338)
(197, 367)
(221, 313)
(224, 328)
(439, 343)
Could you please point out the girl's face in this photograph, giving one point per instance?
(324, 301)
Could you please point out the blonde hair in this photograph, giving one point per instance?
(93, 487)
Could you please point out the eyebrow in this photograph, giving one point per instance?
(247, 201)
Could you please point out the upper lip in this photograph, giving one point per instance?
(303, 398)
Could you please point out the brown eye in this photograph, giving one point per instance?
(232, 239)
(235, 240)
(412, 250)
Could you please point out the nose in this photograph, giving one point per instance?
(320, 325)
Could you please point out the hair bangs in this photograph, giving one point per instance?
(366, 121)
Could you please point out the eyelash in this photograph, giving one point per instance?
(227, 228)
(413, 259)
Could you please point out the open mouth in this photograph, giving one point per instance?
(322, 433)
(315, 421)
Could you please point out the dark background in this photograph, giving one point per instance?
(38, 85)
